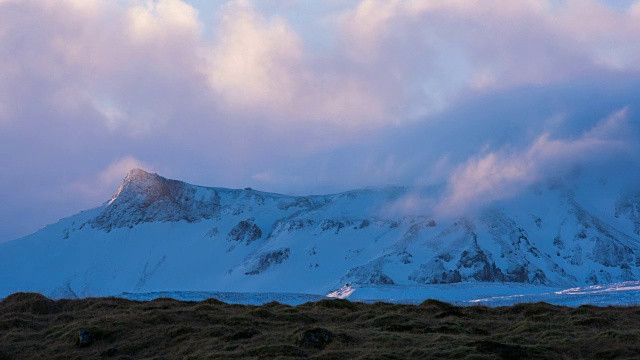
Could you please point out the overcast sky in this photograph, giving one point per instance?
(483, 97)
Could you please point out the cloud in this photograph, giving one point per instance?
(162, 20)
(108, 179)
(71, 58)
(260, 65)
(139, 65)
(254, 59)
(498, 175)
(302, 97)
(112, 176)
(442, 49)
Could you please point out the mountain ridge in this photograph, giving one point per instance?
(158, 234)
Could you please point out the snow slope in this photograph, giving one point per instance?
(162, 235)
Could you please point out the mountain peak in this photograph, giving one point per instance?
(137, 173)
(141, 177)
(138, 182)
(147, 197)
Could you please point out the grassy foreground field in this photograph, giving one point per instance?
(34, 327)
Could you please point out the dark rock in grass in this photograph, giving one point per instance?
(84, 337)
(314, 338)
(87, 336)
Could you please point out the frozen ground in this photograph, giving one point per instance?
(618, 294)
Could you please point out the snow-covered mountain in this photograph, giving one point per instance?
(157, 234)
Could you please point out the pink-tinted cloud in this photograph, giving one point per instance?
(297, 97)
(475, 45)
(139, 64)
(108, 179)
(502, 174)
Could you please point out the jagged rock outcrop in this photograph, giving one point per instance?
(246, 231)
(268, 259)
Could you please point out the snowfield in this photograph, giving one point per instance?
(162, 237)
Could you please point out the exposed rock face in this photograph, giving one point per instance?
(145, 197)
(379, 278)
(482, 269)
(291, 225)
(435, 274)
(246, 232)
(611, 254)
(265, 260)
(370, 274)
